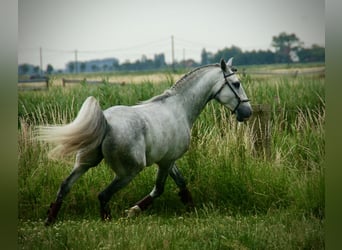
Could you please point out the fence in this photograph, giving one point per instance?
(34, 84)
(294, 73)
(84, 80)
(25, 84)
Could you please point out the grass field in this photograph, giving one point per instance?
(243, 200)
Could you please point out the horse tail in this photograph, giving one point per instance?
(85, 133)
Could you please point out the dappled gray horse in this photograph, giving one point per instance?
(154, 131)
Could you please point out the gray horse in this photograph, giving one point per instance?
(130, 138)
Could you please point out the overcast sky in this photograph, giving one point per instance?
(127, 29)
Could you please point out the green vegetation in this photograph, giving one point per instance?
(244, 199)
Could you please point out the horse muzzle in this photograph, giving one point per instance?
(243, 113)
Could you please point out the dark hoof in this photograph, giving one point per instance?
(49, 221)
(52, 213)
(186, 198)
(106, 216)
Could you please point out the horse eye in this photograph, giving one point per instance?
(234, 69)
(236, 84)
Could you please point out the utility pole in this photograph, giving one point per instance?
(76, 69)
(184, 64)
(173, 54)
(41, 61)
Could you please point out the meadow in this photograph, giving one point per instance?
(244, 199)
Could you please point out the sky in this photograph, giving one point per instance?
(128, 29)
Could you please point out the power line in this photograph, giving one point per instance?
(192, 43)
(179, 46)
(136, 46)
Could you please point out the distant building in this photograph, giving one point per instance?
(98, 65)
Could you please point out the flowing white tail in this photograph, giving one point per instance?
(85, 133)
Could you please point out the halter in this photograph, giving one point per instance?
(232, 89)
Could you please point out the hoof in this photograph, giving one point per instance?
(133, 211)
(49, 221)
(186, 198)
(105, 211)
(52, 213)
(106, 216)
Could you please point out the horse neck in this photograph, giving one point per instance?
(196, 92)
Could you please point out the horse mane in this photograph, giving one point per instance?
(181, 81)
(171, 91)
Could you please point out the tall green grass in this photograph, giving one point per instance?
(240, 196)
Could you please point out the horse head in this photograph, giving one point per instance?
(231, 92)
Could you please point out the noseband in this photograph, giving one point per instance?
(233, 90)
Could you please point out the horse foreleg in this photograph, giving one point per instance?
(158, 189)
(184, 193)
(141, 205)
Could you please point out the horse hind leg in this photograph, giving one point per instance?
(118, 183)
(83, 162)
(62, 192)
(184, 193)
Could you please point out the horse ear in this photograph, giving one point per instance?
(230, 62)
(223, 65)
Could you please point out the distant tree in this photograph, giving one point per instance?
(143, 58)
(36, 70)
(83, 67)
(286, 46)
(94, 67)
(204, 57)
(255, 57)
(24, 68)
(314, 54)
(71, 67)
(115, 64)
(49, 69)
(227, 53)
(159, 61)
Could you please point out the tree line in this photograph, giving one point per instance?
(288, 48)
